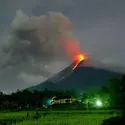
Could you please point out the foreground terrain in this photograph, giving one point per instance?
(54, 118)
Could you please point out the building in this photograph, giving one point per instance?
(63, 100)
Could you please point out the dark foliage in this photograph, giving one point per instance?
(114, 121)
(30, 99)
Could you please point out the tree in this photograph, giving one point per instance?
(113, 85)
(1, 94)
(116, 88)
(117, 92)
(122, 95)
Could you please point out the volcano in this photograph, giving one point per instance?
(81, 78)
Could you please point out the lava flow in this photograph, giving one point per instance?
(78, 58)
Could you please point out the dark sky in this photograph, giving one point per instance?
(99, 26)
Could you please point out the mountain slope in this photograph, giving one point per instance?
(81, 78)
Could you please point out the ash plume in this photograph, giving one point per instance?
(37, 41)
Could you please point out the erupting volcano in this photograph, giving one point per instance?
(79, 58)
(72, 50)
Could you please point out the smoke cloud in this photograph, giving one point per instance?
(35, 42)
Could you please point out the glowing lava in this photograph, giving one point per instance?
(78, 58)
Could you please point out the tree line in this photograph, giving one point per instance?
(31, 99)
(112, 94)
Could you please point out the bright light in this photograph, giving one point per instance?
(98, 103)
(49, 101)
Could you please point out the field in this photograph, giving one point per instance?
(56, 118)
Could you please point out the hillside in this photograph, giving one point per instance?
(82, 78)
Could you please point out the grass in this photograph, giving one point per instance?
(67, 120)
(59, 118)
(9, 115)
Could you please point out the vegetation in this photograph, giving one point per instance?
(55, 118)
(26, 107)
(26, 100)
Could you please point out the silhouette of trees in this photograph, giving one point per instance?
(116, 89)
(30, 99)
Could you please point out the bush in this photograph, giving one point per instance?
(114, 121)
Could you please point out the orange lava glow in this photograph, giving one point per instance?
(78, 58)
